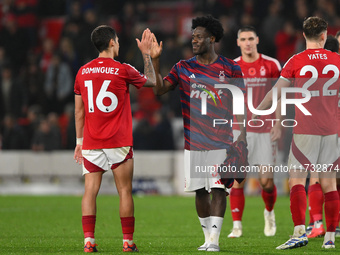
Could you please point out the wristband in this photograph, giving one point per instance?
(79, 141)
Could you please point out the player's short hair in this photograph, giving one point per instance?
(246, 29)
(337, 34)
(332, 44)
(212, 25)
(101, 37)
(313, 27)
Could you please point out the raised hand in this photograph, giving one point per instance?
(146, 42)
(156, 48)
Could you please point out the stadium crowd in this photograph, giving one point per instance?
(43, 43)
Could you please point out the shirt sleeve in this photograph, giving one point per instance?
(287, 70)
(77, 87)
(135, 77)
(173, 76)
(276, 70)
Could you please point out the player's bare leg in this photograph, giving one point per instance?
(328, 184)
(88, 205)
(237, 202)
(315, 200)
(269, 198)
(123, 179)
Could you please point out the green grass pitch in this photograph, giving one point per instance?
(164, 225)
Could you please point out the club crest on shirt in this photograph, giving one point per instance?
(263, 71)
(221, 76)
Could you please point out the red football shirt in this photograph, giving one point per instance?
(103, 85)
(318, 71)
(260, 76)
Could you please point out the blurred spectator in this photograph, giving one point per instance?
(51, 8)
(14, 41)
(75, 14)
(228, 47)
(13, 95)
(31, 123)
(69, 55)
(286, 42)
(143, 135)
(58, 84)
(26, 13)
(88, 51)
(162, 132)
(77, 18)
(67, 127)
(270, 26)
(327, 10)
(3, 59)
(33, 81)
(171, 52)
(213, 7)
(302, 11)
(46, 54)
(46, 138)
(13, 135)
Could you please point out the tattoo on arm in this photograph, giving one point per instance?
(149, 70)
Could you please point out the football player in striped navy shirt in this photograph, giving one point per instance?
(205, 143)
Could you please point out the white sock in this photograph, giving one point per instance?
(299, 230)
(317, 224)
(87, 239)
(329, 236)
(237, 224)
(216, 226)
(130, 242)
(206, 227)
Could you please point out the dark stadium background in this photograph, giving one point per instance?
(43, 40)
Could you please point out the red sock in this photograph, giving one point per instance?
(128, 227)
(331, 210)
(89, 223)
(315, 199)
(338, 189)
(269, 198)
(236, 203)
(298, 204)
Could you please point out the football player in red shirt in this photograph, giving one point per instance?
(260, 73)
(104, 127)
(315, 142)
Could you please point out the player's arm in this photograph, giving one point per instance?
(79, 114)
(268, 99)
(275, 132)
(243, 134)
(162, 86)
(145, 47)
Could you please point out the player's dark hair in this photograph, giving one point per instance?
(246, 29)
(212, 25)
(332, 44)
(101, 37)
(313, 27)
(337, 34)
